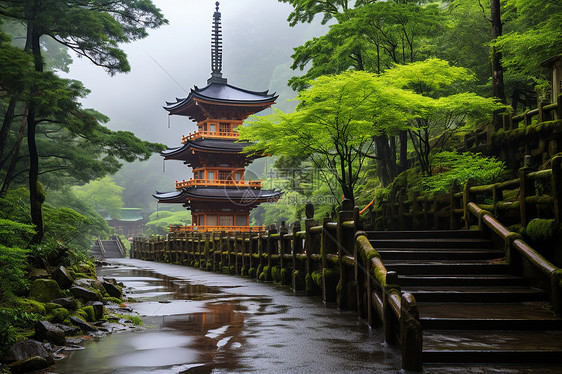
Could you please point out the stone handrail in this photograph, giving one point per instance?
(513, 241)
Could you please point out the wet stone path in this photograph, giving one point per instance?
(202, 322)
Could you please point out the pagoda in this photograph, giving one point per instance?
(218, 195)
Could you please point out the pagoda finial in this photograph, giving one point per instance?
(216, 49)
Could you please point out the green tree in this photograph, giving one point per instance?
(535, 36)
(372, 37)
(442, 106)
(103, 194)
(93, 30)
(333, 126)
(159, 222)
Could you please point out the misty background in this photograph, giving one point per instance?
(257, 45)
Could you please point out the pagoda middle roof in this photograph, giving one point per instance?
(220, 94)
(209, 145)
(241, 195)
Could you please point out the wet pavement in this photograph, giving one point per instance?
(203, 322)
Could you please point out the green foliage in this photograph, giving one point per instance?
(454, 169)
(371, 37)
(103, 194)
(159, 222)
(11, 321)
(12, 268)
(442, 105)
(333, 126)
(535, 36)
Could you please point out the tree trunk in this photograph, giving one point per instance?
(36, 193)
(14, 160)
(497, 68)
(403, 150)
(6, 124)
(385, 168)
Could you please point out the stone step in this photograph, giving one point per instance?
(455, 243)
(462, 280)
(532, 315)
(447, 268)
(475, 294)
(436, 234)
(439, 254)
(489, 324)
(467, 346)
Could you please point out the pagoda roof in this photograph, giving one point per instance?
(246, 196)
(202, 102)
(204, 145)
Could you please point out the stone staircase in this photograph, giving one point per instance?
(473, 306)
(107, 249)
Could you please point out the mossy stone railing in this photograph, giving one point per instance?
(330, 259)
(522, 257)
(535, 194)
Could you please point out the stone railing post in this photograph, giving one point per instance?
(345, 248)
(389, 317)
(467, 198)
(284, 248)
(410, 334)
(270, 244)
(328, 247)
(526, 188)
(557, 185)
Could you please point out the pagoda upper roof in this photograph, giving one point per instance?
(205, 145)
(237, 195)
(221, 94)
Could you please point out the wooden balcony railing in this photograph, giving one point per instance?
(218, 183)
(255, 229)
(209, 134)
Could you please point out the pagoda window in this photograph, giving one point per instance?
(211, 175)
(195, 175)
(224, 127)
(224, 175)
(212, 127)
(237, 176)
(226, 221)
(201, 220)
(241, 220)
(212, 220)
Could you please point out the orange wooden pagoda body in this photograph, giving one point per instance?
(218, 195)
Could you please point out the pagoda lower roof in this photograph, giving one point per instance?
(204, 145)
(221, 94)
(235, 195)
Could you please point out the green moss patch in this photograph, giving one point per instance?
(45, 290)
(31, 306)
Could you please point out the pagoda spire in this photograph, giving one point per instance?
(216, 49)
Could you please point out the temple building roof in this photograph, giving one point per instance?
(212, 100)
(209, 145)
(241, 196)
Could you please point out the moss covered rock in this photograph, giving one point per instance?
(59, 315)
(45, 290)
(32, 306)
